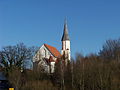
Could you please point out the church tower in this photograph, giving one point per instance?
(65, 43)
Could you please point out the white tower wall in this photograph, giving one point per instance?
(66, 43)
(66, 49)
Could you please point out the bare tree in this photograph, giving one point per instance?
(111, 50)
(15, 78)
(15, 55)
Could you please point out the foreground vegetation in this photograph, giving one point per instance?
(93, 72)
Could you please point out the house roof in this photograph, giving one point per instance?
(53, 50)
(2, 76)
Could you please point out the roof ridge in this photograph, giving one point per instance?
(49, 45)
(53, 50)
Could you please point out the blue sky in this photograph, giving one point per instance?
(34, 22)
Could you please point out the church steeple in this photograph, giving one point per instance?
(66, 43)
(65, 33)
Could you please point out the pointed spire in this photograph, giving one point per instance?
(65, 33)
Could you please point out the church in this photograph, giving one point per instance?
(47, 56)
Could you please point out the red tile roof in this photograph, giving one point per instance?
(53, 50)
